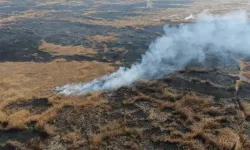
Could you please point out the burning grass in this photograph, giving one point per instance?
(123, 118)
(24, 81)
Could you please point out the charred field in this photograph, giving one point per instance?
(45, 44)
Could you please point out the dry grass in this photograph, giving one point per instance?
(246, 108)
(23, 81)
(191, 103)
(128, 22)
(226, 139)
(244, 71)
(19, 119)
(71, 137)
(193, 112)
(143, 97)
(244, 75)
(58, 50)
(93, 99)
(112, 129)
(247, 74)
(29, 14)
(49, 129)
(103, 39)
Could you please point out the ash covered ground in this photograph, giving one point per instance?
(45, 44)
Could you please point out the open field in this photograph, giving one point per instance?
(45, 44)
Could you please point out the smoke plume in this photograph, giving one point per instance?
(210, 34)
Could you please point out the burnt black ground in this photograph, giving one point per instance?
(23, 40)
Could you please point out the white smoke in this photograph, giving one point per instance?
(210, 34)
(149, 3)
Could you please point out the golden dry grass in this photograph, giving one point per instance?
(244, 75)
(245, 105)
(112, 129)
(23, 81)
(247, 74)
(29, 14)
(74, 139)
(103, 39)
(226, 139)
(58, 50)
(192, 108)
